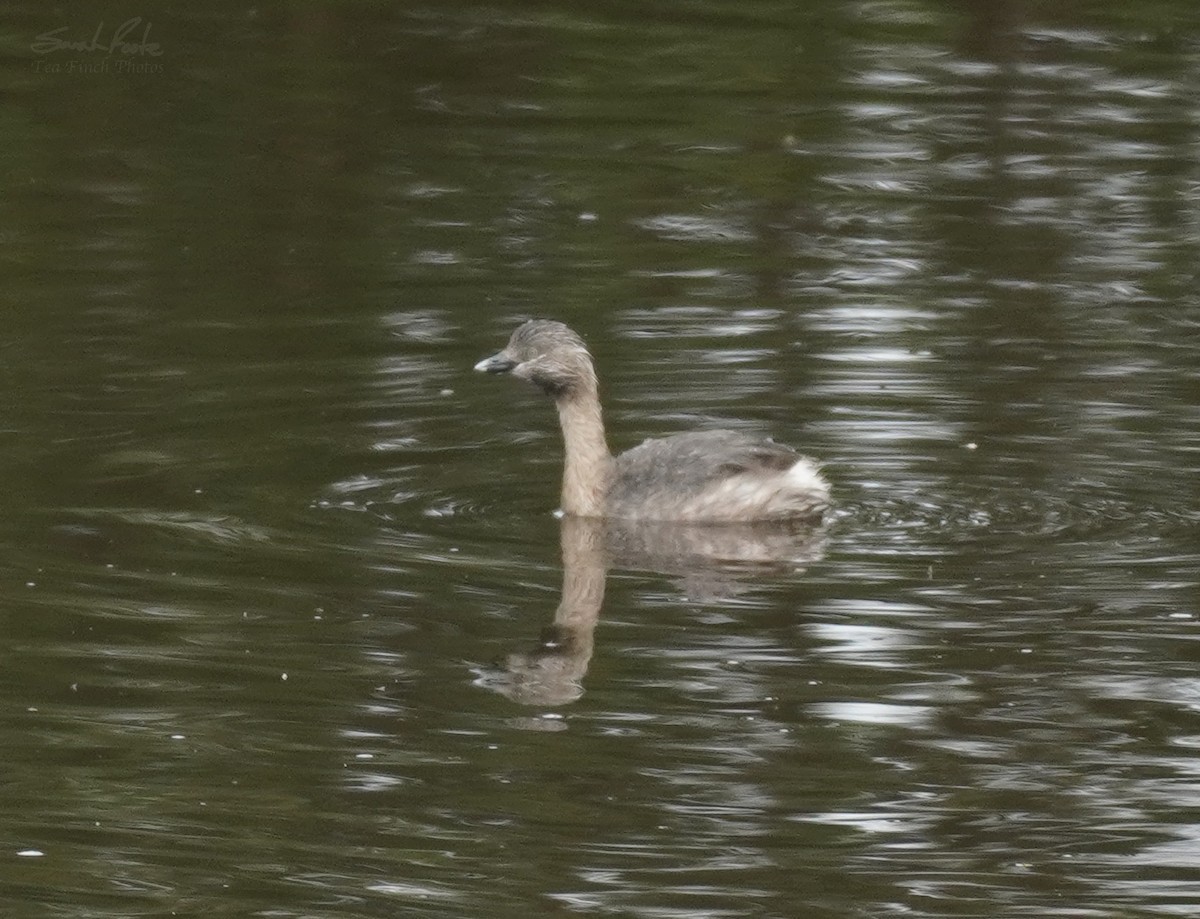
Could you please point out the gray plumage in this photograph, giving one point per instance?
(703, 476)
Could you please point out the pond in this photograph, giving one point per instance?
(291, 627)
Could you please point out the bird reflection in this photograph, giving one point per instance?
(709, 563)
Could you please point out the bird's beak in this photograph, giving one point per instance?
(497, 363)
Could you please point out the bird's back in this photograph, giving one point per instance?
(715, 476)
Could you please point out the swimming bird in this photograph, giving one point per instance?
(713, 476)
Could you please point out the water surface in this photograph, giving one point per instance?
(290, 628)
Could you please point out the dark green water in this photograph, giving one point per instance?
(275, 564)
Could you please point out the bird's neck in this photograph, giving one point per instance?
(588, 467)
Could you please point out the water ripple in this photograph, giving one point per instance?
(1078, 516)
